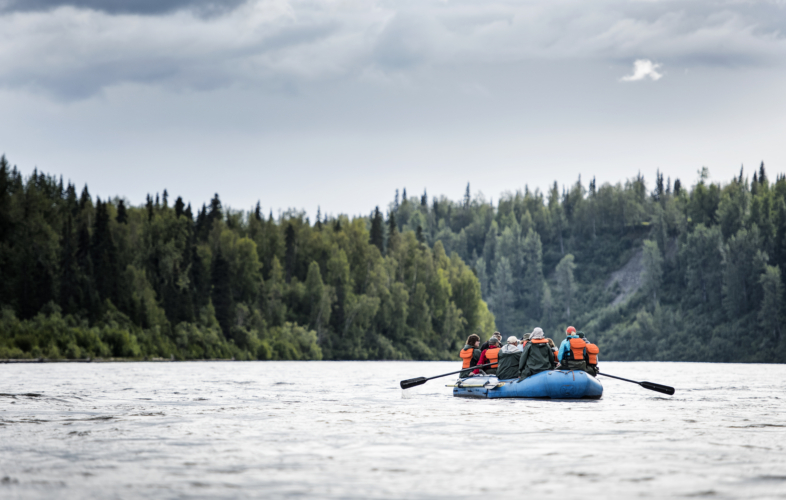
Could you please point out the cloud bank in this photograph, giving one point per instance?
(77, 48)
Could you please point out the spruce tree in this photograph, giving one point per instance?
(103, 253)
(84, 200)
(89, 297)
(291, 251)
(201, 227)
(215, 213)
(149, 207)
(122, 214)
(71, 202)
(179, 206)
(377, 236)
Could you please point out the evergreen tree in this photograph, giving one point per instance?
(215, 213)
(392, 232)
(179, 207)
(104, 256)
(149, 207)
(291, 251)
(376, 235)
(122, 215)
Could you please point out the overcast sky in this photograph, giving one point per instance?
(338, 103)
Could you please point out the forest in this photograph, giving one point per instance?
(666, 272)
(84, 277)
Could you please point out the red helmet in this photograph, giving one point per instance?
(570, 331)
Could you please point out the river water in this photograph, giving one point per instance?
(346, 430)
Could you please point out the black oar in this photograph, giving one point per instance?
(665, 389)
(406, 384)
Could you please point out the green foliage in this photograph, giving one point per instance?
(672, 274)
(100, 278)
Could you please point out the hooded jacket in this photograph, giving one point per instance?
(537, 357)
(509, 357)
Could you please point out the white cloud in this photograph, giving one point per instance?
(643, 68)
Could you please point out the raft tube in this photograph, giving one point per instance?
(554, 384)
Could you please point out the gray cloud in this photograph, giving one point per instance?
(77, 52)
(143, 7)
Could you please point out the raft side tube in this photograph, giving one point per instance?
(553, 384)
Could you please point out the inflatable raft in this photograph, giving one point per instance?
(555, 384)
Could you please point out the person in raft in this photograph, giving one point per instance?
(591, 355)
(485, 344)
(576, 353)
(489, 355)
(571, 351)
(509, 360)
(537, 356)
(470, 354)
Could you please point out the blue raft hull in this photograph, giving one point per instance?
(555, 384)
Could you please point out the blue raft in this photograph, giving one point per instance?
(555, 384)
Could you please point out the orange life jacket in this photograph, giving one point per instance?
(492, 355)
(592, 354)
(466, 355)
(577, 347)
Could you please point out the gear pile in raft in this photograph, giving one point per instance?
(532, 367)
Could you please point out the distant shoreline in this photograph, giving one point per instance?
(105, 360)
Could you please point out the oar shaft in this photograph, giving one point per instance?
(618, 378)
(459, 371)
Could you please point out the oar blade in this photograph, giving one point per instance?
(665, 389)
(406, 384)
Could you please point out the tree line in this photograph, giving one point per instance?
(659, 272)
(86, 277)
(706, 262)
